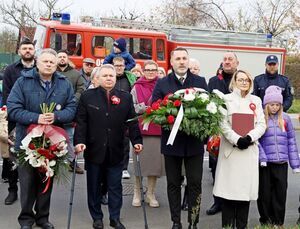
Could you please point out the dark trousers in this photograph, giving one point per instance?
(214, 162)
(11, 174)
(235, 213)
(193, 168)
(272, 193)
(32, 186)
(94, 175)
(126, 153)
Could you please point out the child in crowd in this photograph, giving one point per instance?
(137, 71)
(277, 147)
(119, 49)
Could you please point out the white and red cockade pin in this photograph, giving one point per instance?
(252, 106)
(115, 100)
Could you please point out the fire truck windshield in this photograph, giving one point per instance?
(39, 38)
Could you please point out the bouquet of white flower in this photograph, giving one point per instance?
(193, 111)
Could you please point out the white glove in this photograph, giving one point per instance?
(263, 164)
(296, 170)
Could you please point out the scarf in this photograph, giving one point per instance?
(144, 89)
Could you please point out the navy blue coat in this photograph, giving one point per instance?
(101, 125)
(27, 94)
(183, 145)
(263, 81)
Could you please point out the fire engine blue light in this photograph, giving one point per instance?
(65, 18)
(56, 16)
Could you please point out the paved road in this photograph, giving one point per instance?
(132, 217)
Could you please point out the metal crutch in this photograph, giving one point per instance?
(139, 173)
(72, 191)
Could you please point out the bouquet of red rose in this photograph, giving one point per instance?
(193, 111)
(45, 148)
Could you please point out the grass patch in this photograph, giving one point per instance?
(295, 108)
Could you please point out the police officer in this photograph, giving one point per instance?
(271, 77)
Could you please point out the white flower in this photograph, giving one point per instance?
(179, 92)
(197, 89)
(218, 93)
(212, 108)
(35, 162)
(52, 163)
(189, 97)
(204, 97)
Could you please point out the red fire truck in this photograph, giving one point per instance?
(89, 40)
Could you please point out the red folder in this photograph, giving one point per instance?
(242, 124)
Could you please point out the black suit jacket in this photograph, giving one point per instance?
(101, 125)
(183, 145)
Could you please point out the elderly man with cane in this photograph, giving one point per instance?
(101, 120)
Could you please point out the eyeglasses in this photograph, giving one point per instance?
(245, 81)
(89, 64)
(272, 64)
(119, 65)
(150, 70)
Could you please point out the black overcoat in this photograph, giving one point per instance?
(100, 125)
(183, 145)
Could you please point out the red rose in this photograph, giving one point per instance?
(46, 153)
(187, 91)
(177, 103)
(158, 101)
(149, 110)
(31, 146)
(155, 106)
(3, 108)
(167, 96)
(165, 102)
(115, 100)
(171, 119)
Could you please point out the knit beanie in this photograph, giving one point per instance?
(120, 44)
(273, 95)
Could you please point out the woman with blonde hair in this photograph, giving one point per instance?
(236, 180)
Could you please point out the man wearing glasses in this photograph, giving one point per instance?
(125, 81)
(271, 77)
(87, 68)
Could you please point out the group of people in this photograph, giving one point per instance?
(101, 100)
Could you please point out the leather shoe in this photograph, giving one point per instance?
(214, 209)
(177, 226)
(115, 223)
(11, 198)
(104, 200)
(26, 227)
(46, 225)
(98, 224)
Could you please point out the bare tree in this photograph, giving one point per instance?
(131, 14)
(23, 15)
(8, 40)
(275, 16)
(177, 12)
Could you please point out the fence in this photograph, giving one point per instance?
(8, 58)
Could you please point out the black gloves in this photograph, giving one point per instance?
(244, 142)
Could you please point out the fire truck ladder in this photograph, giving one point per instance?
(191, 34)
(130, 24)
